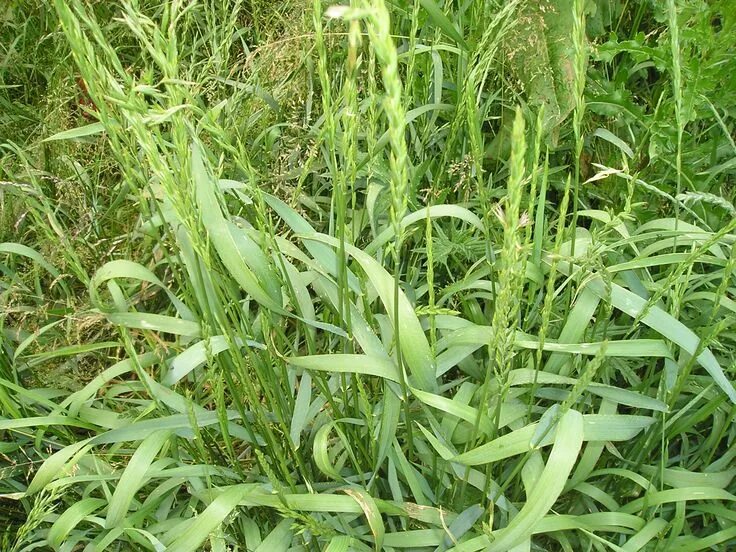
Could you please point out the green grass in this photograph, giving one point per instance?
(381, 276)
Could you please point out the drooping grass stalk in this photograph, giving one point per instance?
(677, 93)
(44, 504)
(471, 84)
(554, 258)
(372, 120)
(350, 126)
(510, 288)
(511, 274)
(330, 141)
(537, 215)
(257, 377)
(93, 58)
(410, 66)
(379, 31)
(339, 195)
(536, 204)
(579, 64)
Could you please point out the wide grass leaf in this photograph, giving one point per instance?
(414, 345)
(439, 18)
(56, 465)
(128, 269)
(596, 427)
(70, 518)
(372, 514)
(76, 133)
(133, 477)
(198, 354)
(189, 535)
(25, 251)
(655, 498)
(347, 363)
(278, 540)
(155, 322)
(666, 325)
(339, 544)
(230, 250)
(323, 254)
(647, 533)
(549, 486)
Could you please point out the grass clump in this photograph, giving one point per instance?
(349, 277)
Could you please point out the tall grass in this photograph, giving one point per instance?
(359, 283)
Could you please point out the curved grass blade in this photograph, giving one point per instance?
(134, 271)
(70, 518)
(414, 345)
(347, 363)
(156, 323)
(372, 514)
(188, 535)
(443, 22)
(666, 325)
(75, 133)
(596, 427)
(278, 540)
(25, 251)
(221, 236)
(133, 477)
(196, 355)
(567, 443)
(435, 211)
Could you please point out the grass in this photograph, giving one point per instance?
(378, 276)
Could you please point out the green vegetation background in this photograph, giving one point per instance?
(388, 275)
